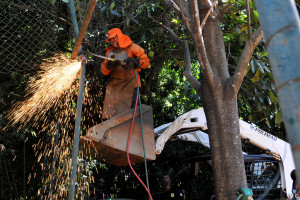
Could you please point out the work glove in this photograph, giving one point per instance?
(131, 63)
(112, 65)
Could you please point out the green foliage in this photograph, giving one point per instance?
(257, 99)
(171, 94)
(164, 88)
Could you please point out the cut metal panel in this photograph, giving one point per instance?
(108, 141)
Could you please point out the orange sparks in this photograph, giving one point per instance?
(56, 79)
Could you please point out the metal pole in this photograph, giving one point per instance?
(281, 27)
(74, 18)
(24, 175)
(77, 131)
(79, 107)
(53, 160)
(77, 47)
(43, 177)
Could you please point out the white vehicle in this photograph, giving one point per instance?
(187, 127)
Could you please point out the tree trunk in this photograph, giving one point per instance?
(218, 91)
(220, 105)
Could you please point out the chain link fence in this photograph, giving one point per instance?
(30, 31)
(34, 30)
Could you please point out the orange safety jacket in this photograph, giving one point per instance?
(133, 51)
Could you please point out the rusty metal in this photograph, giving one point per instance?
(83, 28)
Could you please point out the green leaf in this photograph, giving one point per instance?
(151, 54)
(272, 97)
(244, 37)
(144, 97)
(175, 21)
(143, 38)
(160, 7)
(229, 35)
(112, 5)
(247, 70)
(253, 66)
(244, 28)
(259, 66)
(242, 3)
(259, 106)
(114, 12)
(251, 117)
(181, 64)
(53, 2)
(256, 15)
(278, 118)
(256, 76)
(268, 123)
(265, 54)
(103, 9)
(232, 13)
(266, 68)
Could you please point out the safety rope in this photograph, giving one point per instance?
(128, 142)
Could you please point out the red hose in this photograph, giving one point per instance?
(128, 142)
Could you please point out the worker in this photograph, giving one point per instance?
(170, 192)
(121, 91)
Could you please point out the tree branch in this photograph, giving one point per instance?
(197, 35)
(185, 20)
(187, 59)
(249, 20)
(242, 64)
(188, 69)
(174, 36)
(208, 13)
(173, 5)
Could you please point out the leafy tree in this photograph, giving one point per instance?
(218, 89)
(170, 94)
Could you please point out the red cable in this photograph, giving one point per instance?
(128, 142)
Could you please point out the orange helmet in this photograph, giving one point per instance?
(124, 40)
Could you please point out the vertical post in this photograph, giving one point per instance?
(24, 175)
(43, 177)
(74, 157)
(74, 18)
(54, 159)
(88, 16)
(79, 37)
(281, 27)
(77, 131)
